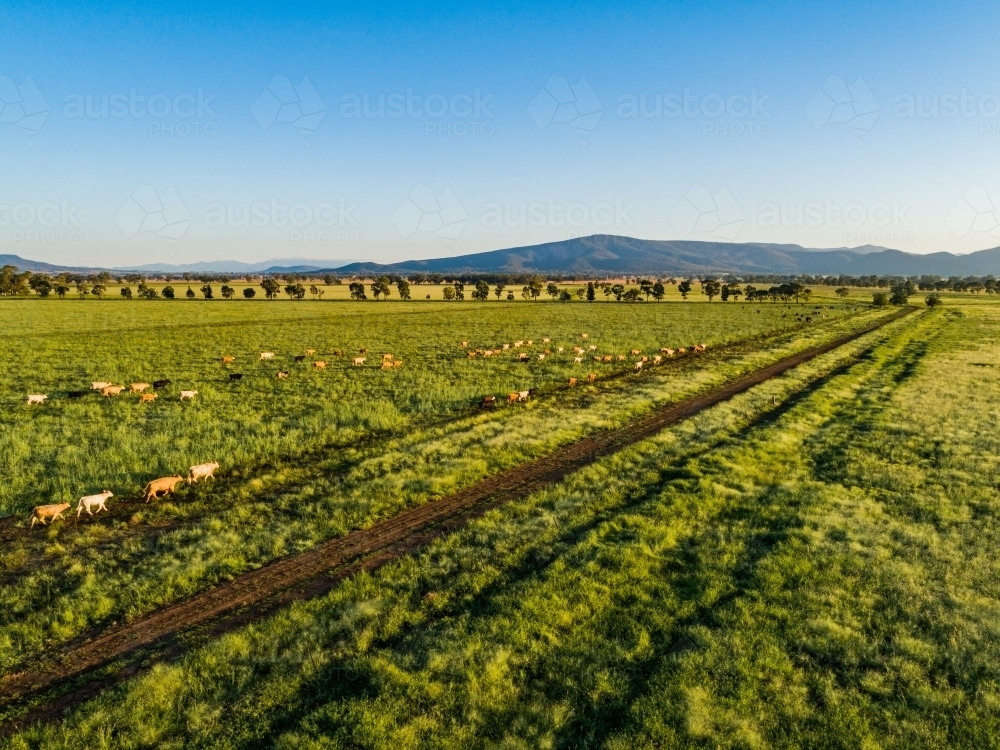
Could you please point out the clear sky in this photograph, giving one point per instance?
(178, 132)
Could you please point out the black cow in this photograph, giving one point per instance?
(235, 376)
(161, 383)
(77, 394)
(300, 358)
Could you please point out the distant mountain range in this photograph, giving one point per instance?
(610, 255)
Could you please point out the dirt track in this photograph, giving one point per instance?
(253, 595)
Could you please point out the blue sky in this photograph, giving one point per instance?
(176, 132)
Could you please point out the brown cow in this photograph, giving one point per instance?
(591, 377)
(162, 486)
(319, 365)
(471, 355)
(511, 398)
(398, 363)
(46, 513)
(572, 382)
(487, 401)
(607, 358)
(138, 387)
(228, 359)
(147, 398)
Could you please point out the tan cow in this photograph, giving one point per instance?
(147, 398)
(471, 355)
(635, 352)
(578, 349)
(592, 348)
(188, 395)
(202, 471)
(682, 350)
(529, 342)
(506, 347)
(607, 358)
(93, 501)
(541, 356)
(46, 513)
(163, 486)
(699, 347)
(577, 360)
(267, 355)
(387, 365)
(100, 385)
(139, 387)
(357, 361)
(398, 363)
(228, 359)
(522, 357)
(112, 390)
(591, 377)
(584, 335)
(622, 357)
(387, 357)
(546, 340)
(310, 352)
(559, 349)
(666, 350)
(464, 344)
(657, 359)
(518, 344)
(572, 382)
(319, 365)
(281, 375)
(37, 398)
(511, 398)
(597, 358)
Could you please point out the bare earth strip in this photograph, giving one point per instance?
(255, 594)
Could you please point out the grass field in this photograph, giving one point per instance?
(811, 564)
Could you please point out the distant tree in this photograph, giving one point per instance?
(510, 296)
(190, 293)
(40, 285)
(498, 290)
(581, 293)
(459, 290)
(449, 293)
(227, 292)
(900, 295)
(933, 300)
(552, 290)
(526, 292)
(684, 288)
(724, 294)
(103, 278)
(565, 296)
(647, 287)
(658, 291)
(403, 287)
(710, 288)
(632, 295)
(880, 299)
(357, 291)
(168, 292)
(380, 287)
(591, 294)
(619, 291)
(206, 291)
(61, 290)
(735, 292)
(270, 286)
(751, 293)
(330, 280)
(481, 292)
(607, 290)
(98, 290)
(535, 287)
(843, 292)
(806, 295)
(126, 292)
(83, 289)
(249, 293)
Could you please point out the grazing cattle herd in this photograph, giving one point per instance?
(45, 514)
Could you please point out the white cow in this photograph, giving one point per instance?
(93, 501)
(267, 355)
(188, 395)
(36, 398)
(202, 471)
(522, 395)
(577, 360)
(100, 385)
